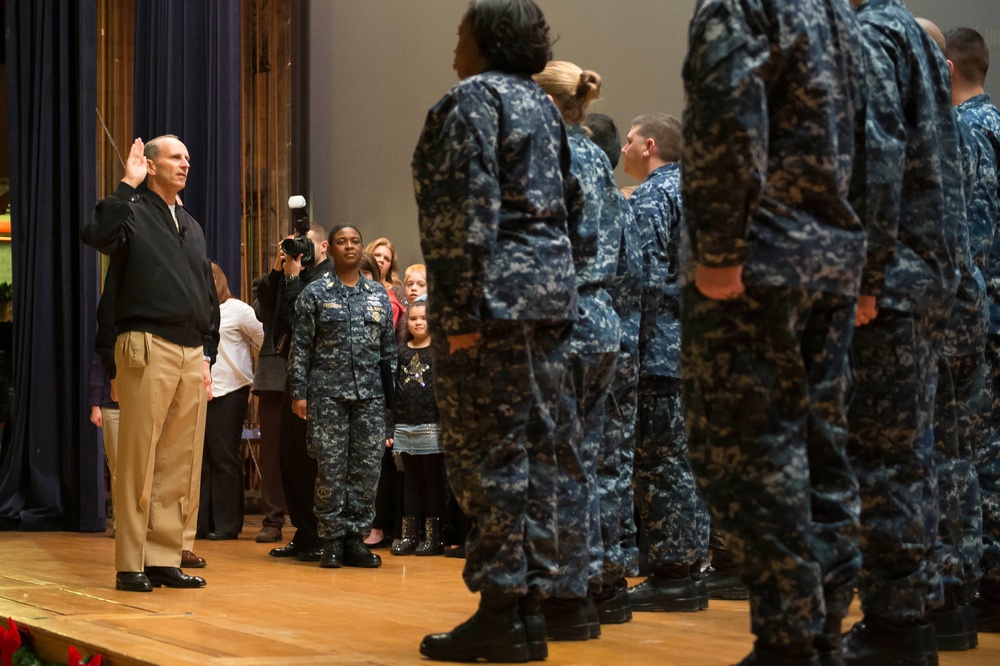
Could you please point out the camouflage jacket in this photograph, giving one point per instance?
(491, 174)
(913, 192)
(657, 207)
(984, 210)
(968, 322)
(626, 287)
(343, 343)
(596, 238)
(769, 141)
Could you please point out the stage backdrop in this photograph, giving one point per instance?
(187, 82)
(51, 472)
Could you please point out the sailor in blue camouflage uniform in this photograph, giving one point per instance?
(342, 346)
(969, 54)
(493, 186)
(960, 411)
(772, 263)
(596, 237)
(616, 455)
(913, 205)
(670, 508)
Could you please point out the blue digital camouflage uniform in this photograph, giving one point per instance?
(984, 118)
(962, 401)
(494, 191)
(670, 507)
(342, 337)
(769, 135)
(596, 238)
(914, 207)
(616, 458)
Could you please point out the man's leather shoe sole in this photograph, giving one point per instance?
(132, 581)
(172, 577)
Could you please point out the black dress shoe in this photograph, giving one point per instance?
(333, 554)
(310, 554)
(357, 554)
(292, 549)
(223, 536)
(172, 577)
(132, 581)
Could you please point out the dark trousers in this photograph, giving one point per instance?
(298, 474)
(222, 465)
(388, 498)
(272, 493)
(424, 492)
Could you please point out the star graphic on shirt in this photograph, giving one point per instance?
(415, 370)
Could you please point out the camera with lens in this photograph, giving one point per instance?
(300, 245)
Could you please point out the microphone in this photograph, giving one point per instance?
(183, 232)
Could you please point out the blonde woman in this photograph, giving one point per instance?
(385, 255)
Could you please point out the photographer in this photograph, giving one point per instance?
(277, 293)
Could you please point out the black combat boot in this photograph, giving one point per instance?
(829, 644)
(670, 588)
(722, 578)
(987, 607)
(530, 608)
(612, 603)
(566, 619)
(433, 542)
(333, 554)
(358, 554)
(495, 634)
(774, 655)
(880, 642)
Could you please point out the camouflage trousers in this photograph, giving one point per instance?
(960, 413)
(615, 460)
(499, 406)
(891, 446)
(765, 380)
(346, 438)
(670, 507)
(988, 469)
(581, 548)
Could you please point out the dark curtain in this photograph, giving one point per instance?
(51, 469)
(187, 82)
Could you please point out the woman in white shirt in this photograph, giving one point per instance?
(240, 336)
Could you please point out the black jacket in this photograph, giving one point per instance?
(276, 295)
(162, 277)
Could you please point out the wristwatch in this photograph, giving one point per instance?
(291, 278)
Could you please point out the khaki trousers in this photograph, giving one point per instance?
(109, 416)
(161, 436)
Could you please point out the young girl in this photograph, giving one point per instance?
(416, 439)
(415, 283)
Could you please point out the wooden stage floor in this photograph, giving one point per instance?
(259, 610)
